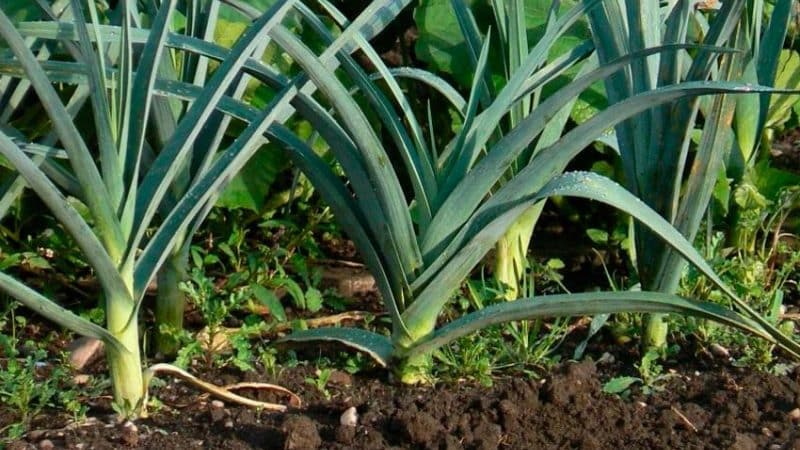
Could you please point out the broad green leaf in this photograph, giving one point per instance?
(313, 300)
(747, 132)
(268, 298)
(597, 236)
(770, 180)
(250, 188)
(618, 385)
(788, 77)
(21, 10)
(442, 45)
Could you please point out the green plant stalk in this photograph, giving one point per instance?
(415, 369)
(170, 303)
(511, 252)
(125, 366)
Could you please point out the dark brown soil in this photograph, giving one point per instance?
(786, 151)
(723, 408)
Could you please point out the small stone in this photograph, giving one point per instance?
(719, 351)
(340, 378)
(84, 351)
(36, 435)
(775, 447)
(767, 432)
(130, 434)
(228, 423)
(743, 442)
(641, 404)
(216, 410)
(606, 358)
(345, 434)
(794, 414)
(46, 444)
(300, 434)
(81, 379)
(350, 417)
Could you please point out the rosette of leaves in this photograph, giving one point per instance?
(662, 166)
(422, 246)
(450, 40)
(145, 193)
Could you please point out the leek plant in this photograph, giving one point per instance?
(655, 145)
(142, 204)
(420, 248)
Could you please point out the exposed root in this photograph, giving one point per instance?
(294, 400)
(221, 392)
(684, 419)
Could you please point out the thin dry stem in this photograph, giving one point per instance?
(221, 392)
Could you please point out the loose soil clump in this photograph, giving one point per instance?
(723, 408)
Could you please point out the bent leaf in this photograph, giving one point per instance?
(377, 346)
(584, 304)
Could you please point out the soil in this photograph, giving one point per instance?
(720, 407)
(786, 151)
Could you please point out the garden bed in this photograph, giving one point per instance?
(701, 403)
(272, 264)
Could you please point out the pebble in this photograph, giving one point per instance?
(35, 435)
(81, 379)
(130, 434)
(228, 423)
(46, 444)
(349, 417)
(83, 351)
(719, 351)
(340, 378)
(345, 434)
(794, 414)
(300, 433)
(217, 413)
(606, 358)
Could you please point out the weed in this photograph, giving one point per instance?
(760, 265)
(526, 346)
(29, 383)
(320, 381)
